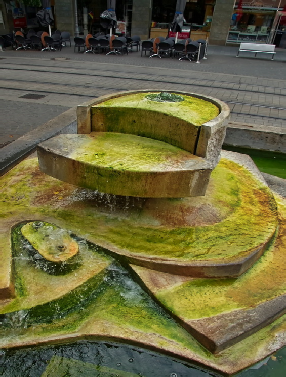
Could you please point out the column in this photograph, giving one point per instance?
(221, 22)
(141, 18)
(65, 15)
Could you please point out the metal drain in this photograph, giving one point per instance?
(33, 96)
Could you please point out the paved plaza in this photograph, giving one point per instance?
(37, 86)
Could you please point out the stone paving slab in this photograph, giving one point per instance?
(244, 70)
(22, 117)
(88, 78)
(245, 86)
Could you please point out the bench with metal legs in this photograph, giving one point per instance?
(257, 48)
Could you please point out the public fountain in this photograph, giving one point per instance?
(135, 230)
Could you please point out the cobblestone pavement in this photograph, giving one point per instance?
(37, 86)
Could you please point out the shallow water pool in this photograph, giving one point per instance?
(102, 359)
(273, 163)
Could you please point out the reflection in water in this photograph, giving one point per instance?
(273, 163)
(87, 358)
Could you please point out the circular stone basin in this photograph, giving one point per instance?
(147, 114)
(141, 144)
(192, 109)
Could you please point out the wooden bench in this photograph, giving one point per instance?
(257, 47)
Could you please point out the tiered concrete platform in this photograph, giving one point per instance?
(200, 277)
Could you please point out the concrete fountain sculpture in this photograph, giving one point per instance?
(177, 250)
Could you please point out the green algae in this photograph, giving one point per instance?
(63, 367)
(117, 297)
(146, 320)
(74, 301)
(109, 297)
(53, 243)
(121, 294)
(252, 222)
(114, 300)
(129, 152)
(35, 286)
(20, 285)
(250, 217)
(28, 188)
(194, 110)
(144, 123)
(201, 298)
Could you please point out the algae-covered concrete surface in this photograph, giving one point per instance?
(238, 216)
(144, 154)
(177, 123)
(130, 145)
(230, 308)
(82, 261)
(54, 244)
(124, 164)
(196, 124)
(173, 233)
(192, 109)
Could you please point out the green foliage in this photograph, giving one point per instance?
(165, 97)
(32, 3)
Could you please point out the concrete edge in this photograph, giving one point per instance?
(254, 136)
(276, 184)
(22, 147)
(222, 331)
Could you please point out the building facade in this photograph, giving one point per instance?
(222, 21)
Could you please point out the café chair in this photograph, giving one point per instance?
(79, 43)
(146, 46)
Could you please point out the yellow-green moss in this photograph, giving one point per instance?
(199, 298)
(208, 297)
(145, 319)
(141, 122)
(252, 221)
(108, 297)
(231, 185)
(53, 243)
(26, 190)
(129, 152)
(192, 109)
(36, 287)
(249, 216)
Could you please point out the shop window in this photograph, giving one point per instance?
(252, 21)
(197, 14)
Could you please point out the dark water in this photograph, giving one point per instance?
(87, 358)
(273, 163)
